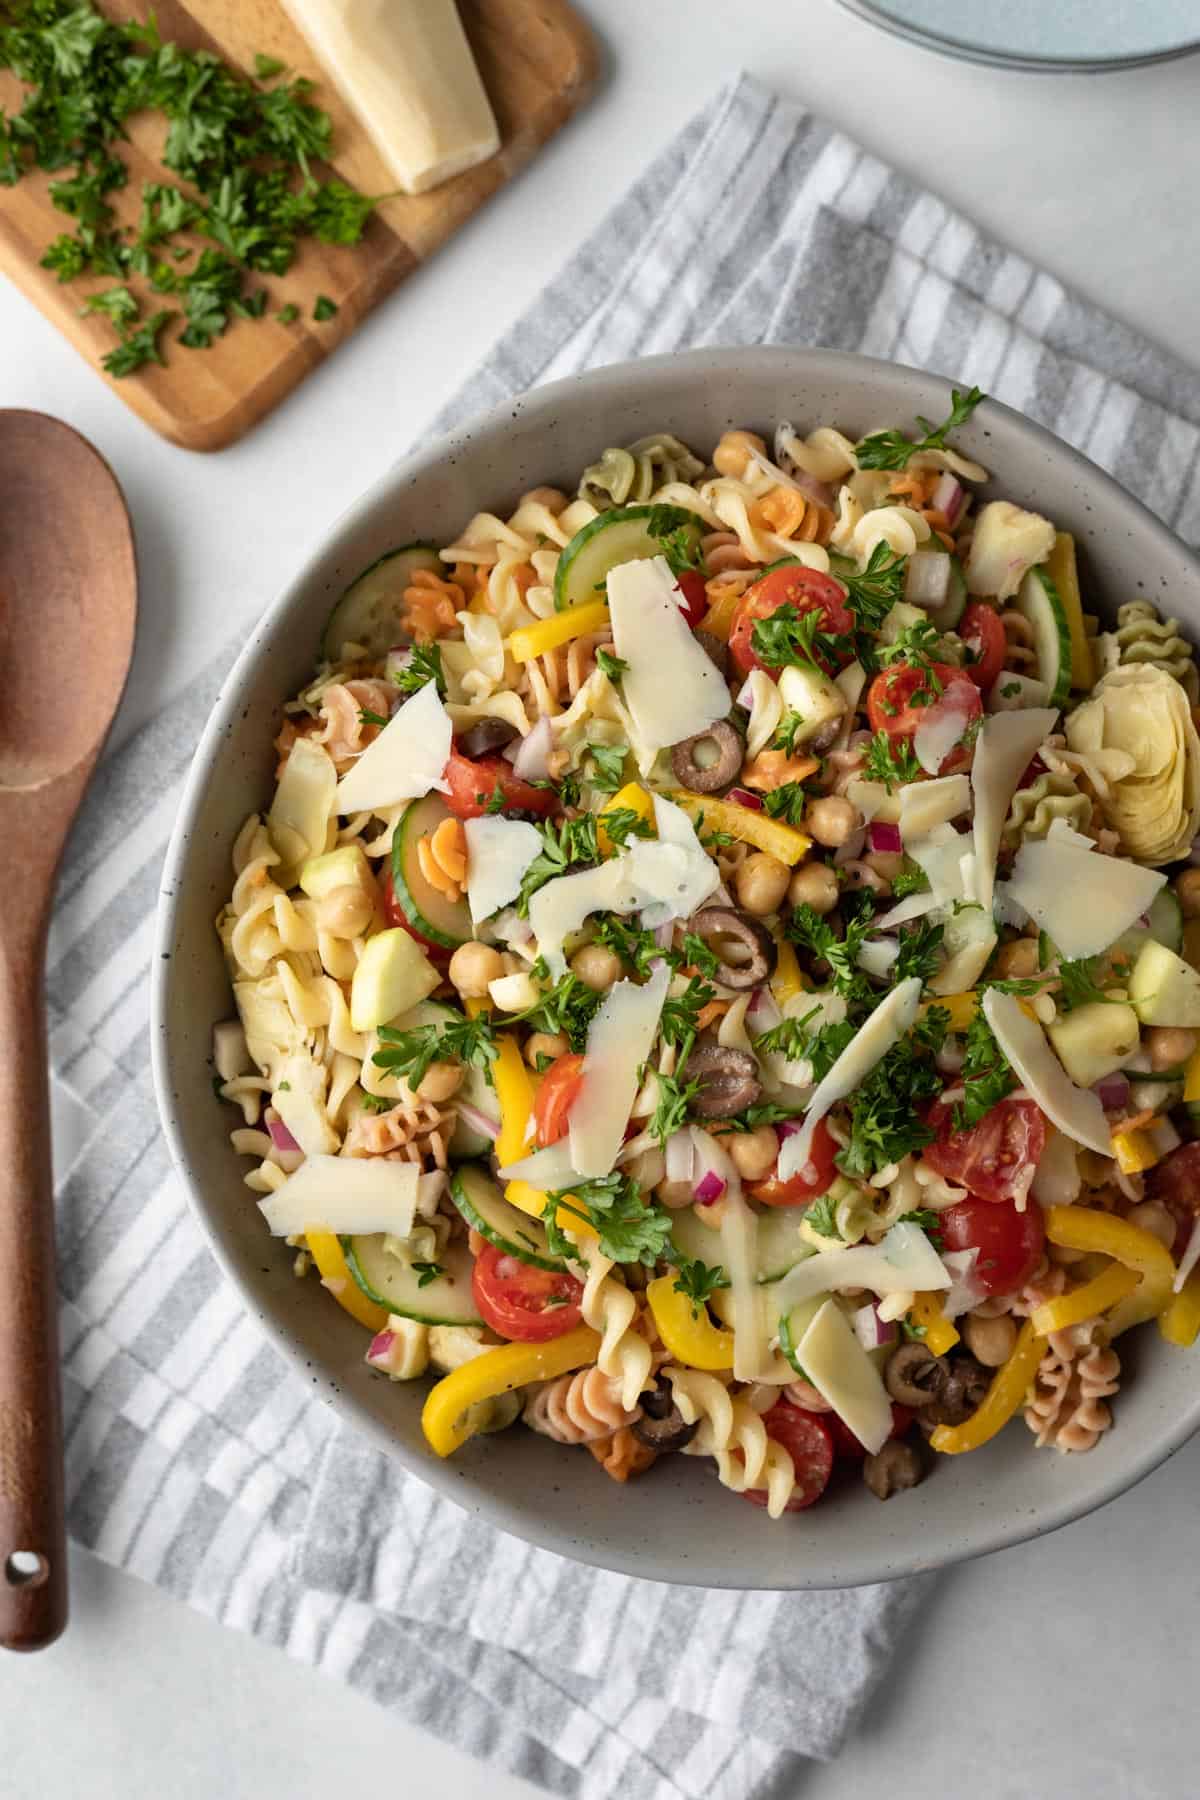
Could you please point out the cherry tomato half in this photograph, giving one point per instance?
(809, 1442)
(805, 589)
(1009, 1242)
(1176, 1182)
(524, 1304)
(902, 698)
(815, 1178)
(555, 1098)
(846, 1444)
(695, 596)
(980, 629)
(996, 1159)
(473, 781)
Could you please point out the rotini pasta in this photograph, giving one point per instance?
(684, 1054)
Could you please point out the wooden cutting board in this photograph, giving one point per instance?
(538, 61)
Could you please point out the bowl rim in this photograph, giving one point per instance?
(973, 1537)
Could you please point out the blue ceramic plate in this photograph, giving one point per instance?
(1030, 34)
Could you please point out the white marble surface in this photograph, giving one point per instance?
(1049, 1670)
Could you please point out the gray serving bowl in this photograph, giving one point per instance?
(676, 1524)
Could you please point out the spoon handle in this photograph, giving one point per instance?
(33, 1550)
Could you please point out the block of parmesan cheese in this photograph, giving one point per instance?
(406, 69)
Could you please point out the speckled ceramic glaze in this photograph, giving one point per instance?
(677, 1524)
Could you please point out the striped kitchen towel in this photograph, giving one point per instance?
(196, 1459)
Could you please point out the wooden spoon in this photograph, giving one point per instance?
(68, 603)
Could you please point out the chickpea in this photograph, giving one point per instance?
(1018, 961)
(733, 452)
(761, 883)
(1187, 889)
(345, 912)
(1154, 1217)
(1170, 1046)
(814, 884)
(441, 1079)
(597, 967)
(472, 967)
(832, 820)
(675, 1194)
(887, 863)
(754, 1153)
(546, 1044)
(990, 1341)
(648, 1169)
(862, 875)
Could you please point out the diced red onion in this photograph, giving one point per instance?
(1037, 767)
(872, 1331)
(1113, 1091)
(680, 1156)
(530, 762)
(927, 581)
(948, 496)
(478, 1120)
(787, 1128)
(710, 1187)
(743, 796)
(745, 697)
(884, 837)
(381, 1347)
(280, 1136)
(664, 933)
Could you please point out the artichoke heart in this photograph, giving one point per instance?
(1155, 806)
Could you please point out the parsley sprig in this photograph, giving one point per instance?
(885, 1125)
(890, 760)
(986, 1076)
(627, 1229)
(873, 591)
(892, 450)
(570, 843)
(698, 1281)
(673, 1098)
(569, 1007)
(786, 802)
(410, 1054)
(423, 666)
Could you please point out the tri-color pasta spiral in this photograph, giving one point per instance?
(733, 1434)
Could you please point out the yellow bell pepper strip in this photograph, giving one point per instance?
(530, 641)
(1064, 573)
(445, 1417)
(720, 615)
(689, 1335)
(1180, 1324)
(1078, 1228)
(326, 1251)
(1134, 1151)
(788, 979)
(1005, 1397)
(1191, 1079)
(632, 798)
(528, 1199)
(940, 1333)
(963, 1007)
(781, 841)
(1085, 1302)
(514, 1091)
(1191, 947)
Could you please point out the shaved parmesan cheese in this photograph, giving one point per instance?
(902, 1262)
(968, 939)
(1005, 747)
(562, 905)
(550, 1169)
(939, 732)
(940, 853)
(498, 853)
(1083, 900)
(358, 1194)
(913, 906)
(618, 1043)
(299, 1099)
(303, 803)
(407, 759)
(843, 1374)
(873, 801)
(739, 1253)
(671, 687)
(924, 804)
(667, 879)
(852, 680)
(878, 956)
(885, 1027)
(1075, 1110)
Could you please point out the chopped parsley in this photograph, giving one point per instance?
(892, 450)
(927, 1221)
(423, 666)
(814, 934)
(763, 1112)
(890, 760)
(674, 1097)
(679, 1021)
(375, 1103)
(427, 1272)
(117, 305)
(911, 879)
(874, 591)
(608, 765)
(697, 955)
(698, 1281)
(287, 315)
(410, 1054)
(324, 308)
(612, 666)
(786, 802)
(627, 1229)
(636, 946)
(820, 1216)
(920, 951)
(819, 1047)
(367, 717)
(918, 647)
(677, 531)
(789, 638)
(569, 1008)
(884, 1110)
(1079, 984)
(986, 1076)
(622, 822)
(140, 347)
(563, 846)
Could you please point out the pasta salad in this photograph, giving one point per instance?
(718, 974)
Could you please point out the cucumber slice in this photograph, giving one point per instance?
(947, 615)
(391, 1282)
(619, 536)
(780, 1246)
(440, 921)
(1166, 920)
(483, 1206)
(794, 1324)
(368, 613)
(466, 1144)
(1037, 599)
